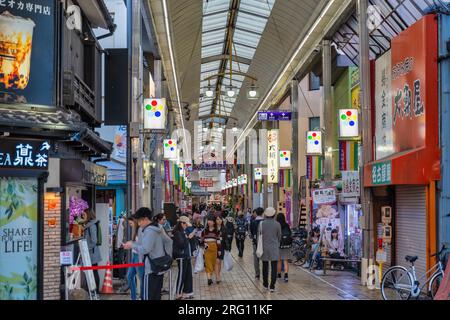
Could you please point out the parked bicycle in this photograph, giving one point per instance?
(299, 246)
(400, 283)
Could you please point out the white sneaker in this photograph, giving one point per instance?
(306, 265)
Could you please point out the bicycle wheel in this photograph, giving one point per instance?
(397, 284)
(434, 284)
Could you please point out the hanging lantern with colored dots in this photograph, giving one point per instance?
(285, 159)
(348, 123)
(155, 114)
(258, 174)
(170, 149)
(314, 143)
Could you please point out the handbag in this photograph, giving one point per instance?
(160, 265)
(228, 261)
(199, 262)
(259, 246)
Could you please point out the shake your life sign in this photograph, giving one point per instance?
(18, 238)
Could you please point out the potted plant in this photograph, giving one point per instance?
(76, 207)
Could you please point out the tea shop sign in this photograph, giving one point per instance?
(24, 154)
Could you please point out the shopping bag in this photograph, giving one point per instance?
(259, 245)
(199, 262)
(74, 280)
(228, 261)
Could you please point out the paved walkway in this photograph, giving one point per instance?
(240, 284)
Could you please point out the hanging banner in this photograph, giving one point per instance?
(285, 159)
(272, 156)
(170, 149)
(18, 238)
(314, 165)
(383, 107)
(155, 114)
(314, 143)
(350, 184)
(288, 208)
(348, 123)
(348, 155)
(120, 144)
(258, 174)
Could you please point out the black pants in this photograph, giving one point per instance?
(273, 274)
(240, 245)
(96, 277)
(184, 279)
(152, 286)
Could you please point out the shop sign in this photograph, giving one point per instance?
(382, 173)
(235, 182)
(285, 159)
(324, 195)
(27, 51)
(24, 154)
(94, 174)
(279, 115)
(314, 143)
(18, 239)
(350, 184)
(244, 179)
(383, 107)
(155, 114)
(170, 149)
(258, 174)
(120, 144)
(272, 156)
(206, 183)
(348, 123)
(410, 67)
(209, 166)
(66, 258)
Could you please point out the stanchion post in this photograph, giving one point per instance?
(66, 284)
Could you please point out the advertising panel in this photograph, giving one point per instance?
(18, 238)
(27, 52)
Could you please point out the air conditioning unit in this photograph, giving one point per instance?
(74, 20)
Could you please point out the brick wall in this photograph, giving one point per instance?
(52, 246)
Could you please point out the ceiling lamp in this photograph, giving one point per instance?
(235, 129)
(205, 129)
(209, 92)
(252, 92)
(230, 92)
(220, 129)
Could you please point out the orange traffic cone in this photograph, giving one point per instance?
(107, 282)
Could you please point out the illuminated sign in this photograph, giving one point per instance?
(314, 142)
(24, 154)
(258, 174)
(348, 123)
(170, 149)
(285, 159)
(235, 182)
(155, 114)
(272, 156)
(244, 179)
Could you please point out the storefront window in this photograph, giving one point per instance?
(18, 238)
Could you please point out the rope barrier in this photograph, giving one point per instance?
(118, 266)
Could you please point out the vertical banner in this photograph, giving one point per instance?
(383, 107)
(348, 155)
(272, 156)
(120, 144)
(314, 168)
(288, 208)
(167, 180)
(18, 238)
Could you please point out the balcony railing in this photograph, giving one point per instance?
(78, 95)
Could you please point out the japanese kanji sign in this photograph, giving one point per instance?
(350, 184)
(272, 156)
(24, 154)
(27, 52)
(382, 173)
(383, 107)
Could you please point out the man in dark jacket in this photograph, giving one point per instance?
(241, 232)
(254, 235)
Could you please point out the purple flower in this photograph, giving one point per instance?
(76, 207)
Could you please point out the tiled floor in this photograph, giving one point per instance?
(240, 284)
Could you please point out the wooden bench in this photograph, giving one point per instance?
(325, 260)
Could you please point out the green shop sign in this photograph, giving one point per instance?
(382, 173)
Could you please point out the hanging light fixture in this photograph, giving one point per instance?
(209, 92)
(252, 92)
(230, 92)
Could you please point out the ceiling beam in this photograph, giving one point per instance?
(226, 57)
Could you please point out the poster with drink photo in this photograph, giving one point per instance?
(27, 52)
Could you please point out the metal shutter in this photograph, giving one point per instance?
(411, 226)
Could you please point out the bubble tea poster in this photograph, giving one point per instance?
(27, 52)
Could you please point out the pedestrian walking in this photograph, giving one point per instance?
(153, 243)
(135, 271)
(230, 227)
(221, 230)
(241, 233)
(271, 237)
(211, 242)
(93, 236)
(182, 253)
(254, 236)
(285, 247)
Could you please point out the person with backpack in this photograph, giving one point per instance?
(154, 247)
(285, 247)
(241, 232)
(93, 236)
(254, 235)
